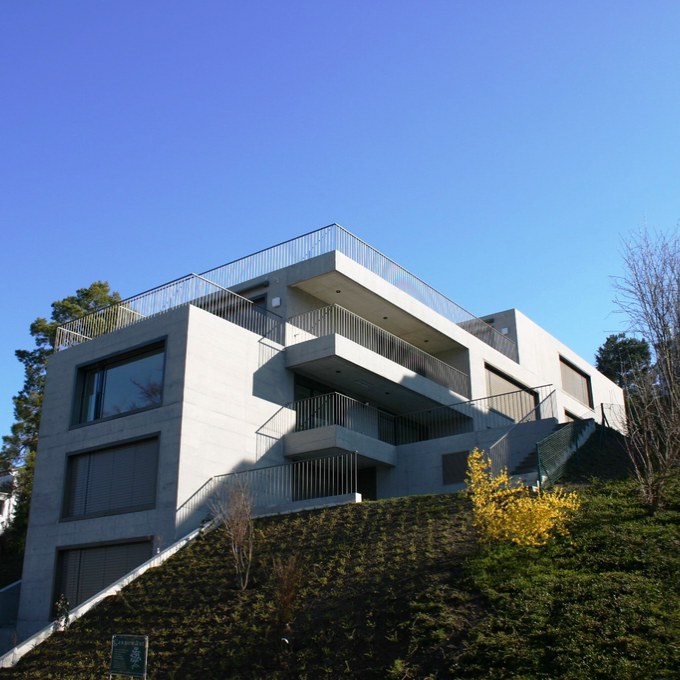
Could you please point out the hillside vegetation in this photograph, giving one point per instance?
(399, 589)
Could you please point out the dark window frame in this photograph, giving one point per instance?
(101, 367)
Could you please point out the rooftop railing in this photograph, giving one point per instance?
(333, 319)
(319, 242)
(192, 289)
(334, 237)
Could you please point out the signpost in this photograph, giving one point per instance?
(128, 656)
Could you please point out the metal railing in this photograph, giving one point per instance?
(337, 409)
(487, 413)
(277, 485)
(334, 237)
(192, 289)
(555, 451)
(500, 451)
(445, 421)
(337, 320)
(330, 409)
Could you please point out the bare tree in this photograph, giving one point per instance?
(233, 509)
(649, 294)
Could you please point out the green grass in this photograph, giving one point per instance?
(398, 589)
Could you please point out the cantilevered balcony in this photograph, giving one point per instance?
(337, 321)
(334, 423)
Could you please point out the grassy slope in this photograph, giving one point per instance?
(396, 589)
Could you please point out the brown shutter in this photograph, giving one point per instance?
(83, 572)
(114, 480)
(575, 383)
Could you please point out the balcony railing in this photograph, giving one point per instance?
(330, 409)
(277, 485)
(445, 421)
(191, 289)
(337, 320)
(334, 237)
(503, 410)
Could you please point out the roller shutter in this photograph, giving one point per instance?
(83, 572)
(120, 479)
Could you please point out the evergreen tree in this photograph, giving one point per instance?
(20, 447)
(620, 358)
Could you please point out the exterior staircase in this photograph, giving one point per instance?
(546, 464)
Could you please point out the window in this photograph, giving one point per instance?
(509, 397)
(454, 467)
(110, 481)
(576, 383)
(121, 385)
(83, 572)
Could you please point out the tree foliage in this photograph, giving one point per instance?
(621, 357)
(20, 447)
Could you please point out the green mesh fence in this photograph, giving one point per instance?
(555, 451)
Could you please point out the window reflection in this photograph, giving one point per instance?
(122, 386)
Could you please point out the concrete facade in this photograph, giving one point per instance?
(227, 393)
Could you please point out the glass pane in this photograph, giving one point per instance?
(133, 384)
(88, 401)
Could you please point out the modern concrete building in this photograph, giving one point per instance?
(319, 368)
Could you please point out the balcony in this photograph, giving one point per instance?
(334, 423)
(337, 321)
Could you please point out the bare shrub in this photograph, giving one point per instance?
(234, 510)
(286, 577)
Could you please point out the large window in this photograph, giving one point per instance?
(576, 383)
(121, 385)
(83, 572)
(113, 480)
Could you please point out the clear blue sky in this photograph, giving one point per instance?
(496, 149)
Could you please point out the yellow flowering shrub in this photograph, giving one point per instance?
(508, 511)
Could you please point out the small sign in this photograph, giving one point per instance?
(128, 655)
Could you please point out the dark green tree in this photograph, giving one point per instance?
(621, 359)
(20, 447)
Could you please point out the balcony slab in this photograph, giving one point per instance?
(337, 361)
(337, 439)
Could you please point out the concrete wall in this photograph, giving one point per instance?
(221, 383)
(228, 394)
(418, 467)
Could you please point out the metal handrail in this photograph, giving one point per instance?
(334, 237)
(338, 320)
(191, 289)
(499, 452)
